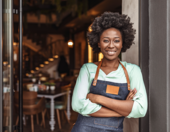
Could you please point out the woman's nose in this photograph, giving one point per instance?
(111, 44)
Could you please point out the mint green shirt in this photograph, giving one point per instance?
(85, 107)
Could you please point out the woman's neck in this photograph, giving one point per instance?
(110, 63)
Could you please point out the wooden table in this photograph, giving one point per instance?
(52, 95)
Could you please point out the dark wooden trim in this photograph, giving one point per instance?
(144, 55)
(11, 69)
(20, 69)
(1, 89)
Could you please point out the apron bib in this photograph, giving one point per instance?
(113, 90)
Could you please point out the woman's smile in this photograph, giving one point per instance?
(111, 52)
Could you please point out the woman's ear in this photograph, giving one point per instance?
(98, 45)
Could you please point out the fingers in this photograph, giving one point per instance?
(89, 95)
(92, 97)
(131, 94)
(134, 91)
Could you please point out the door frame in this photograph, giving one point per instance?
(20, 69)
(1, 87)
(144, 55)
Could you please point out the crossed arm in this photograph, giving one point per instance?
(112, 107)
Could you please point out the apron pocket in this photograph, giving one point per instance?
(113, 122)
(112, 89)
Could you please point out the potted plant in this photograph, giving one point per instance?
(52, 86)
(47, 85)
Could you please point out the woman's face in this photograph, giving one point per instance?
(110, 43)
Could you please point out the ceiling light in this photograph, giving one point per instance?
(5, 63)
(32, 71)
(51, 59)
(27, 74)
(70, 43)
(15, 43)
(37, 68)
(41, 65)
(46, 62)
(56, 56)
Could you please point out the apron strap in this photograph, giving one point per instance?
(126, 74)
(97, 73)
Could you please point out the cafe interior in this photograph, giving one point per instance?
(55, 47)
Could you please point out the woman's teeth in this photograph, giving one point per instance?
(111, 52)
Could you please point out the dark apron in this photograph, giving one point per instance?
(113, 90)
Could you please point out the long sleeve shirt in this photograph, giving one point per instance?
(87, 73)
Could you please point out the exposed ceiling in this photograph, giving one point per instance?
(70, 22)
(106, 5)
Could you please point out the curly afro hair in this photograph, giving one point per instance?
(111, 20)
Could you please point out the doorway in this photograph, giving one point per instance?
(36, 29)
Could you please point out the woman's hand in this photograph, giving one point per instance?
(92, 97)
(131, 94)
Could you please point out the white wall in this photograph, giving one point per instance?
(131, 8)
(51, 69)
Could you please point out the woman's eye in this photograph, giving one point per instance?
(117, 41)
(106, 41)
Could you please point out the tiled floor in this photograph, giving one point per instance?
(66, 127)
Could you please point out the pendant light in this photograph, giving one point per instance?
(41, 65)
(51, 59)
(5, 63)
(70, 41)
(37, 68)
(56, 56)
(46, 62)
(27, 74)
(32, 71)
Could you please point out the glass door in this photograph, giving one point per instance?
(7, 91)
(6, 65)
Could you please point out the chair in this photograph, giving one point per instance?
(31, 107)
(61, 105)
(71, 79)
(29, 86)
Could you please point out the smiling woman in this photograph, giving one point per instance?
(108, 91)
(112, 20)
(110, 43)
